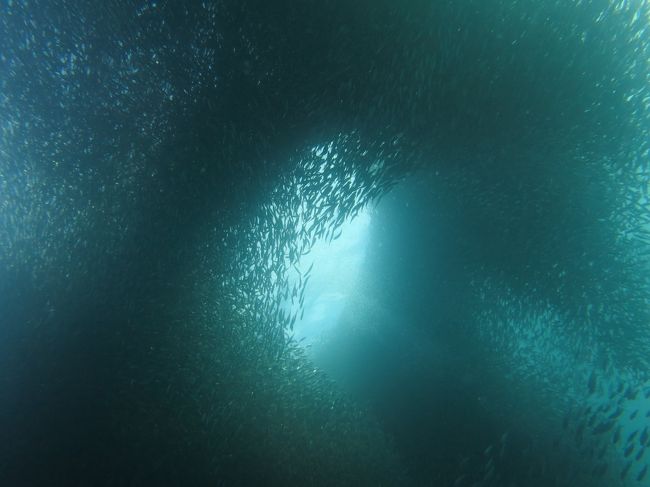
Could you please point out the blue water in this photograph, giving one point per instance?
(324, 243)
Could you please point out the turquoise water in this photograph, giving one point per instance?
(324, 243)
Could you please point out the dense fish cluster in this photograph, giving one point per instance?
(164, 166)
(329, 185)
(592, 426)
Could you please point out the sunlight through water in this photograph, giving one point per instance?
(333, 269)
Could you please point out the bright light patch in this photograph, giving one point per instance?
(334, 275)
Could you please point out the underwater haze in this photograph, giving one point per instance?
(325, 243)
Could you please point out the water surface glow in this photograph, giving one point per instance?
(333, 278)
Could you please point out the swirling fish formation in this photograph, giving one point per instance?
(163, 166)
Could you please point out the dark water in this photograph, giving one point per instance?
(166, 167)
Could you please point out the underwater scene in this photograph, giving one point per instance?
(325, 243)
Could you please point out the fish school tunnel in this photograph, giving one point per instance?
(300, 243)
